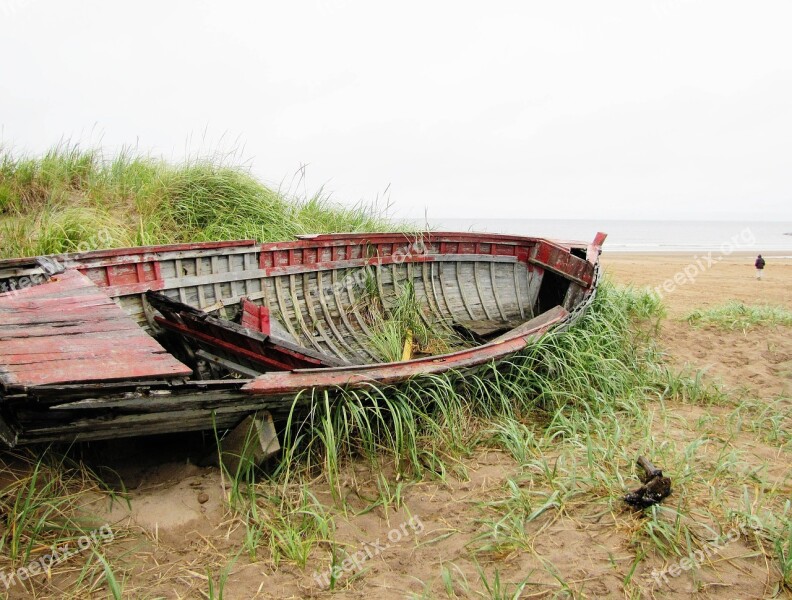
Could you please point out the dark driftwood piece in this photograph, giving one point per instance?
(655, 487)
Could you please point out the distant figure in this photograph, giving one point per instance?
(759, 264)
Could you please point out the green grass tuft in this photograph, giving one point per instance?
(735, 315)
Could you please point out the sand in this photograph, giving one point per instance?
(760, 360)
(178, 531)
(687, 281)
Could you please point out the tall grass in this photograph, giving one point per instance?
(404, 323)
(72, 199)
(563, 380)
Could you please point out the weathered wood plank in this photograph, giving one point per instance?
(307, 300)
(559, 260)
(549, 317)
(283, 309)
(67, 330)
(328, 317)
(343, 313)
(517, 290)
(308, 333)
(496, 291)
(462, 283)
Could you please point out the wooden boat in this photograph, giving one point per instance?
(115, 343)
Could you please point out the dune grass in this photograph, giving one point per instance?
(564, 380)
(72, 199)
(734, 315)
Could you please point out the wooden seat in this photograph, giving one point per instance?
(243, 348)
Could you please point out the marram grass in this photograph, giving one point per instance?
(737, 315)
(71, 199)
(597, 368)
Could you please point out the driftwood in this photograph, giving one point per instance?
(655, 486)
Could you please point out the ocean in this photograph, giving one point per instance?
(641, 236)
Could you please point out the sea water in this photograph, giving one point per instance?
(639, 236)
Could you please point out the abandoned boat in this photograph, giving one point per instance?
(138, 341)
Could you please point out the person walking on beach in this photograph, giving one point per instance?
(759, 264)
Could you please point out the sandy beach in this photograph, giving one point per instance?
(688, 281)
(759, 359)
(177, 533)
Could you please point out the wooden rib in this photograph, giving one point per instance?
(299, 317)
(246, 261)
(395, 276)
(265, 294)
(517, 291)
(317, 320)
(340, 305)
(218, 290)
(442, 289)
(529, 278)
(380, 289)
(282, 308)
(182, 294)
(495, 292)
(352, 304)
(200, 289)
(478, 289)
(457, 271)
(353, 332)
(426, 321)
(431, 296)
(331, 323)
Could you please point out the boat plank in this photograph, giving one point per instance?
(517, 290)
(283, 310)
(477, 277)
(388, 373)
(441, 285)
(423, 298)
(431, 296)
(67, 330)
(559, 260)
(90, 369)
(9, 332)
(353, 305)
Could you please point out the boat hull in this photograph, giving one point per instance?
(313, 287)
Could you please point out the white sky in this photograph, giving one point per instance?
(633, 109)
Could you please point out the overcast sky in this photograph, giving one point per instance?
(635, 109)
